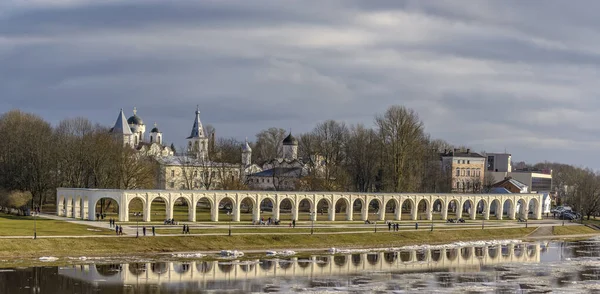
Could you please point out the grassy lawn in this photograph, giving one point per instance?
(259, 230)
(573, 230)
(11, 225)
(15, 248)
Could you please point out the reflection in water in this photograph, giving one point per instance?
(418, 269)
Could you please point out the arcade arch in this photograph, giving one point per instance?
(203, 209)
(286, 208)
(159, 209)
(343, 209)
(182, 209)
(423, 210)
(304, 210)
(105, 208)
(391, 210)
(495, 209)
(358, 210)
(406, 208)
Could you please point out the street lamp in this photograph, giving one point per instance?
(34, 225)
(375, 226)
(432, 219)
(137, 221)
(230, 224)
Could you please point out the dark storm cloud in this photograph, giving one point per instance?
(519, 75)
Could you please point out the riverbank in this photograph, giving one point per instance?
(97, 246)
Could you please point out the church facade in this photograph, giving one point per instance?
(193, 170)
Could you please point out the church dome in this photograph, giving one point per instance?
(155, 130)
(246, 147)
(135, 120)
(290, 140)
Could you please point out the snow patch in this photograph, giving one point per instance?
(188, 255)
(48, 258)
(231, 253)
(281, 253)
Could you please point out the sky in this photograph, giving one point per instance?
(511, 75)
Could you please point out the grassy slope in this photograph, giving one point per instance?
(572, 230)
(16, 248)
(23, 226)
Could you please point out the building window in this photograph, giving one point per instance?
(468, 162)
(172, 184)
(458, 172)
(457, 185)
(195, 173)
(468, 172)
(172, 173)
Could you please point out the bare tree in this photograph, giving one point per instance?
(361, 158)
(268, 144)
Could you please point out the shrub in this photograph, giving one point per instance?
(14, 199)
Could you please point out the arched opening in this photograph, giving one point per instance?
(421, 255)
(507, 208)
(285, 210)
(304, 209)
(341, 209)
(437, 207)
(466, 252)
(322, 261)
(495, 209)
(181, 268)
(303, 263)
(451, 254)
(373, 209)
(518, 251)
(423, 209)
(203, 208)
(505, 251)
(108, 270)
(137, 269)
(493, 252)
(356, 259)
(532, 208)
(467, 208)
(322, 210)
(204, 266)
(159, 268)
(436, 255)
(390, 257)
(225, 267)
(406, 209)
(106, 208)
(480, 209)
(226, 206)
(158, 209)
(521, 209)
(181, 209)
(246, 209)
(390, 209)
(339, 260)
(405, 256)
(266, 265)
(373, 258)
(452, 209)
(266, 209)
(136, 209)
(357, 207)
(479, 252)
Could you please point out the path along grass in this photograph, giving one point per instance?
(11, 225)
(22, 248)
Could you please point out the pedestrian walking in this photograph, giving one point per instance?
(187, 229)
(121, 230)
(144, 231)
(293, 223)
(390, 226)
(117, 230)
(153, 231)
(416, 226)
(183, 229)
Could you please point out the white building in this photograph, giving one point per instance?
(132, 132)
(498, 162)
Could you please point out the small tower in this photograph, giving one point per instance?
(121, 130)
(246, 154)
(138, 128)
(290, 147)
(197, 141)
(155, 135)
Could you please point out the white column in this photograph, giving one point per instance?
(473, 211)
(381, 216)
(444, 211)
(123, 212)
(91, 211)
(169, 208)
(414, 210)
(486, 210)
(331, 212)
(538, 210)
(77, 209)
(192, 211)
(364, 212)
(236, 211)
(214, 211)
(276, 209)
(295, 210)
(397, 211)
(349, 212)
(500, 210)
(70, 207)
(256, 213)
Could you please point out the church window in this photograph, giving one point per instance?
(151, 139)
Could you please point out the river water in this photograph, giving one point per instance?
(478, 267)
